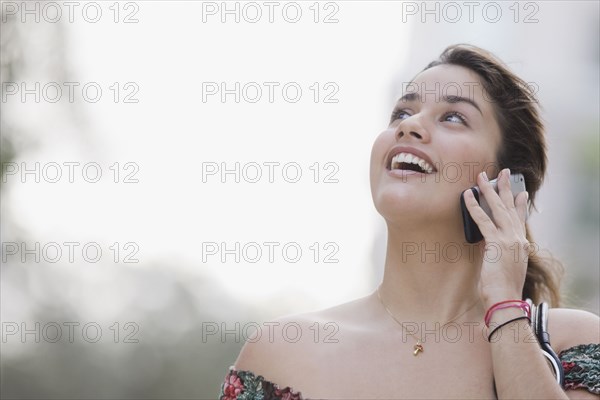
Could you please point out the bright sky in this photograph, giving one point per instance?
(171, 135)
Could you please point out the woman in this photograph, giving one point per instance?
(425, 332)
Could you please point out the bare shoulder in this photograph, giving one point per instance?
(571, 327)
(282, 347)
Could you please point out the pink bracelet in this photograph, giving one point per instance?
(506, 304)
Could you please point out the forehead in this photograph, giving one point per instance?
(448, 80)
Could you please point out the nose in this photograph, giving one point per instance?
(412, 126)
(411, 133)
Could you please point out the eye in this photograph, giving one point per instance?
(399, 114)
(456, 117)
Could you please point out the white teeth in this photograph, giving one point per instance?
(412, 159)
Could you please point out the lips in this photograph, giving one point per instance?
(409, 158)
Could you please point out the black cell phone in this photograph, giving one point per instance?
(472, 232)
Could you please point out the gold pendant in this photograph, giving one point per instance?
(418, 347)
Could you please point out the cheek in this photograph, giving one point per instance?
(381, 145)
(379, 149)
(467, 160)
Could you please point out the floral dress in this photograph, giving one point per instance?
(244, 385)
(581, 365)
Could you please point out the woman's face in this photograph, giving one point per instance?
(445, 118)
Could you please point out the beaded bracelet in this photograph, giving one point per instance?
(506, 323)
(506, 304)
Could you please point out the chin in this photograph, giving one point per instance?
(398, 206)
(410, 207)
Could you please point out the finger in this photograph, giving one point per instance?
(521, 204)
(497, 206)
(484, 223)
(504, 189)
(516, 214)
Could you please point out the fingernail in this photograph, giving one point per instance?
(485, 176)
(507, 171)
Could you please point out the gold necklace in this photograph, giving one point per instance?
(419, 346)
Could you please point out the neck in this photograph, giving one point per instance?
(430, 277)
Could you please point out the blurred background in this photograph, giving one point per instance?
(131, 239)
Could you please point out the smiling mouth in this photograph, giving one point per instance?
(410, 162)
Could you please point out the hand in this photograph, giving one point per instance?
(505, 247)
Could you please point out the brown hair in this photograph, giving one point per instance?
(523, 147)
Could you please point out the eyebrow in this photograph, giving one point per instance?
(414, 96)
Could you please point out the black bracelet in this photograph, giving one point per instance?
(506, 323)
